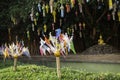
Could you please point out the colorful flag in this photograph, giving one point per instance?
(58, 32)
(72, 47)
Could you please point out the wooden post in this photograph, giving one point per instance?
(58, 67)
(4, 60)
(15, 63)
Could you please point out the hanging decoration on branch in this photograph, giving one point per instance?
(44, 10)
(62, 11)
(72, 3)
(54, 16)
(80, 7)
(45, 28)
(118, 15)
(47, 8)
(28, 34)
(110, 4)
(67, 8)
(39, 7)
(51, 2)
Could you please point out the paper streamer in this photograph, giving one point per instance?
(62, 10)
(54, 16)
(110, 4)
(39, 7)
(43, 8)
(119, 15)
(47, 8)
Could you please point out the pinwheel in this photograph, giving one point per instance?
(14, 50)
(60, 44)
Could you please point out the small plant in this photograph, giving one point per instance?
(14, 50)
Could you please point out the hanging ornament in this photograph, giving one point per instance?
(80, 8)
(37, 15)
(80, 26)
(118, 15)
(87, 1)
(110, 4)
(108, 16)
(75, 27)
(38, 31)
(13, 19)
(80, 34)
(114, 7)
(9, 33)
(47, 8)
(83, 25)
(113, 15)
(98, 1)
(43, 8)
(51, 5)
(83, 1)
(45, 28)
(62, 11)
(33, 27)
(68, 31)
(39, 7)
(53, 26)
(35, 21)
(76, 13)
(32, 14)
(60, 22)
(28, 35)
(72, 30)
(72, 3)
(54, 16)
(67, 8)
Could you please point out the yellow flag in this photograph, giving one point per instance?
(35, 21)
(110, 4)
(119, 15)
(54, 16)
(47, 8)
(45, 28)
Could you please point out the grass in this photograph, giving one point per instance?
(93, 67)
(86, 66)
(42, 72)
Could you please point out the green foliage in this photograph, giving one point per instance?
(35, 72)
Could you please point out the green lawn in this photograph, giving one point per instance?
(93, 67)
(86, 66)
(69, 71)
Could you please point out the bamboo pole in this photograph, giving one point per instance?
(15, 63)
(4, 60)
(58, 67)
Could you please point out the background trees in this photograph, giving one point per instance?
(87, 19)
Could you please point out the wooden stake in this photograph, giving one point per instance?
(15, 64)
(4, 59)
(58, 67)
